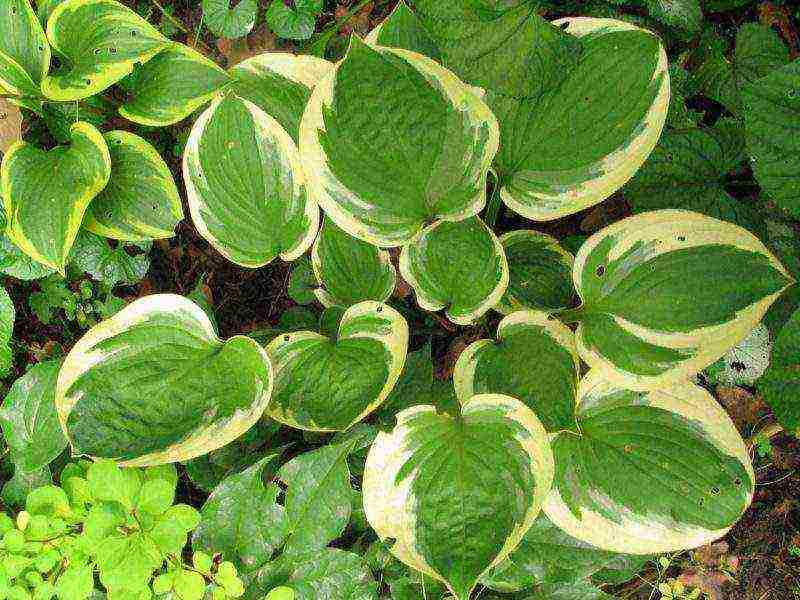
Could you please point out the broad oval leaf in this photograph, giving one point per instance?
(459, 267)
(280, 84)
(171, 86)
(350, 270)
(382, 180)
(456, 494)
(24, 49)
(534, 360)
(324, 384)
(676, 443)
(29, 419)
(780, 385)
(771, 114)
(47, 193)
(666, 293)
(230, 22)
(154, 384)
(102, 41)
(540, 273)
(141, 201)
(245, 185)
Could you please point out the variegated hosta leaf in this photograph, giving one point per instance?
(459, 267)
(154, 384)
(102, 40)
(171, 86)
(456, 494)
(426, 158)
(280, 84)
(540, 273)
(534, 360)
(402, 29)
(246, 188)
(24, 50)
(666, 293)
(141, 201)
(350, 270)
(46, 193)
(325, 384)
(649, 472)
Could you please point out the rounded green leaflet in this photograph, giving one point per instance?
(676, 443)
(325, 384)
(457, 494)
(280, 84)
(666, 293)
(771, 114)
(296, 21)
(382, 180)
(171, 86)
(47, 193)
(540, 273)
(459, 267)
(534, 360)
(229, 22)
(780, 385)
(102, 40)
(24, 49)
(141, 201)
(153, 384)
(350, 270)
(245, 185)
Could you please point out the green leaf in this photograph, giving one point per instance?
(677, 443)
(318, 497)
(382, 180)
(242, 520)
(184, 392)
(324, 384)
(246, 189)
(440, 486)
(155, 496)
(350, 270)
(59, 117)
(18, 264)
(780, 385)
(295, 23)
(533, 360)
(15, 490)
(141, 201)
(23, 48)
(458, 267)
(109, 483)
(7, 316)
(771, 113)
(171, 86)
(280, 84)
(229, 22)
(102, 40)
(301, 282)
(540, 273)
(189, 585)
(29, 419)
(715, 281)
(94, 255)
(49, 501)
(686, 15)
(402, 29)
(75, 583)
(567, 591)
(47, 193)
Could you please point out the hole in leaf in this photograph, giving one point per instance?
(88, 81)
(737, 481)
(379, 309)
(681, 238)
(738, 366)
(599, 271)
(112, 50)
(286, 338)
(715, 491)
(702, 502)
(628, 448)
(97, 51)
(564, 25)
(134, 33)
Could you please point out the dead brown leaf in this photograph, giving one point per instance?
(359, 22)
(10, 125)
(744, 408)
(258, 42)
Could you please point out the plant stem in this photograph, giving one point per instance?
(493, 205)
(177, 23)
(570, 315)
(322, 39)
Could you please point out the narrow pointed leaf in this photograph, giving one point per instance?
(246, 189)
(714, 282)
(47, 193)
(154, 384)
(141, 201)
(676, 443)
(780, 385)
(8, 315)
(326, 384)
(22, 43)
(459, 267)
(457, 494)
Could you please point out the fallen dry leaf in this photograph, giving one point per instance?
(258, 42)
(744, 408)
(10, 125)
(360, 22)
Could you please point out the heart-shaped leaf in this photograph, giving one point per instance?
(154, 384)
(350, 270)
(533, 360)
(171, 86)
(780, 385)
(382, 180)
(141, 201)
(649, 471)
(246, 188)
(24, 50)
(456, 494)
(324, 384)
(714, 282)
(47, 193)
(112, 265)
(229, 22)
(102, 40)
(539, 273)
(459, 267)
(295, 22)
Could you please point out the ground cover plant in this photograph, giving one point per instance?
(477, 299)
